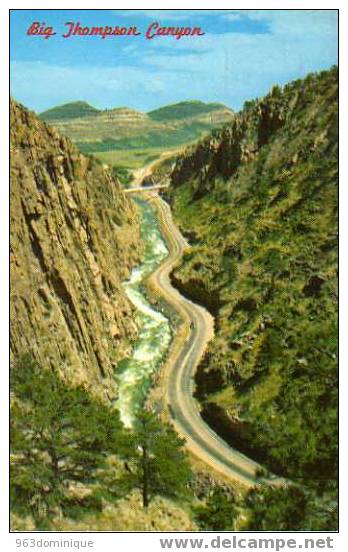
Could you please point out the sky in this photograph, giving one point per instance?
(242, 54)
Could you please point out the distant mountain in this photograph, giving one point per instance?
(182, 110)
(126, 137)
(72, 110)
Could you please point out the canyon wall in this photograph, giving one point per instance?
(74, 239)
(258, 203)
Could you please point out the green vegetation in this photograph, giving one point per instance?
(266, 508)
(156, 463)
(153, 139)
(59, 437)
(219, 513)
(130, 159)
(258, 201)
(182, 110)
(122, 174)
(289, 509)
(71, 110)
(71, 456)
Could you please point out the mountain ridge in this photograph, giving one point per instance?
(84, 109)
(187, 108)
(128, 138)
(69, 110)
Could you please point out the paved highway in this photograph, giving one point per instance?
(201, 440)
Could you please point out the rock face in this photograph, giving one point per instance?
(224, 151)
(74, 239)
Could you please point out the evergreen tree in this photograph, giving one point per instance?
(291, 508)
(155, 461)
(275, 509)
(219, 513)
(59, 436)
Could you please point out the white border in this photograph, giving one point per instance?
(146, 542)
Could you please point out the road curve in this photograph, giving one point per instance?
(201, 440)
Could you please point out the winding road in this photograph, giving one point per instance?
(200, 439)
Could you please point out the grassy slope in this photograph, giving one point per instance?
(70, 110)
(159, 138)
(259, 203)
(132, 159)
(182, 110)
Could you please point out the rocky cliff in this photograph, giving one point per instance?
(74, 238)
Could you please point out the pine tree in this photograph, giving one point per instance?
(219, 513)
(155, 461)
(276, 509)
(59, 436)
(290, 508)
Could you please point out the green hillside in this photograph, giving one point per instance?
(258, 202)
(72, 110)
(184, 134)
(184, 110)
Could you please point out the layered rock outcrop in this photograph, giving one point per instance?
(74, 238)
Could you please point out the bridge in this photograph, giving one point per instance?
(138, 189)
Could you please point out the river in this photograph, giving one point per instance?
(134, 375)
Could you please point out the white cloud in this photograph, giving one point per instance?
(176, 15)
(162, 15)
(296, 22)
(232, 17)
(250, 54)
(101, 86)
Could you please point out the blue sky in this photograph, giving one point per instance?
(242, 54)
